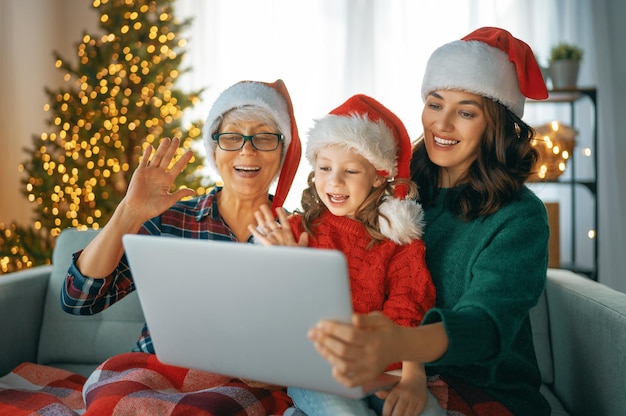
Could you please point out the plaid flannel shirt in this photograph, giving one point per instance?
(195, 218)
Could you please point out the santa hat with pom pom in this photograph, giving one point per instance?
(489, 62)
(275, 99)
(368, 128)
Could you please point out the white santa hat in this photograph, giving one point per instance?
(488, 62)
(366, 127)
(274, 98)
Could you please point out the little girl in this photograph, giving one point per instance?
(361, 202)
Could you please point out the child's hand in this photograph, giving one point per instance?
(271, 233)
(409, 396)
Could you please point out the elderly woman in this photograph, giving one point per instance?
(251, 139)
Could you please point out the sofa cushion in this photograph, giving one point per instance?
(81, 342)
(22, 295)
(541, 337)
(555, 403)
(587, 321)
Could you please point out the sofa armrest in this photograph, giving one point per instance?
(588, 337)
(22, 296)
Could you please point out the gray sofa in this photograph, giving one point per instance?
(38, 330)
(579, 327)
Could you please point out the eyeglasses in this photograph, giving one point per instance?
(264, 142)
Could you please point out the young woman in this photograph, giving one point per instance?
(360, 201)
(486, 236)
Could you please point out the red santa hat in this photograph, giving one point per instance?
(274, 98)
(488, 62)
(368, 128)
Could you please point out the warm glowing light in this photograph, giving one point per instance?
(554, 142)
(120, 95)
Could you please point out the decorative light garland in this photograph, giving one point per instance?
(555, 143)
(123, 98)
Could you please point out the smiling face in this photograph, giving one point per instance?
(454, 124)
(344, 179)
(247, 172)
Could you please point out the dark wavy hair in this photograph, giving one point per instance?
(505, 161)
(368, 213)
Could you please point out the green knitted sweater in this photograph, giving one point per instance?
(488, 273)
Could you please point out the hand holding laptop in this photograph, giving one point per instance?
(253, 315)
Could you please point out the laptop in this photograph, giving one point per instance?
(243, 310)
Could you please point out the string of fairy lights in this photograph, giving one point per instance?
(123, 100)
(555, 143)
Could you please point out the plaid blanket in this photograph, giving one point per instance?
(33, 389)
(135, 384)
(460, 398)
(138, 384)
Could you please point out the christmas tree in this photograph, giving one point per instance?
(120, 96)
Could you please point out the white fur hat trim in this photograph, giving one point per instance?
(245, 93)
(372, 140)
(475, 67)
(405, 220)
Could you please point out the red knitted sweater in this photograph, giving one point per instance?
(387, 277)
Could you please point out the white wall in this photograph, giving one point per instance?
(30, 30)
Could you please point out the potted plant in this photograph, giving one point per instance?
(564, 65)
